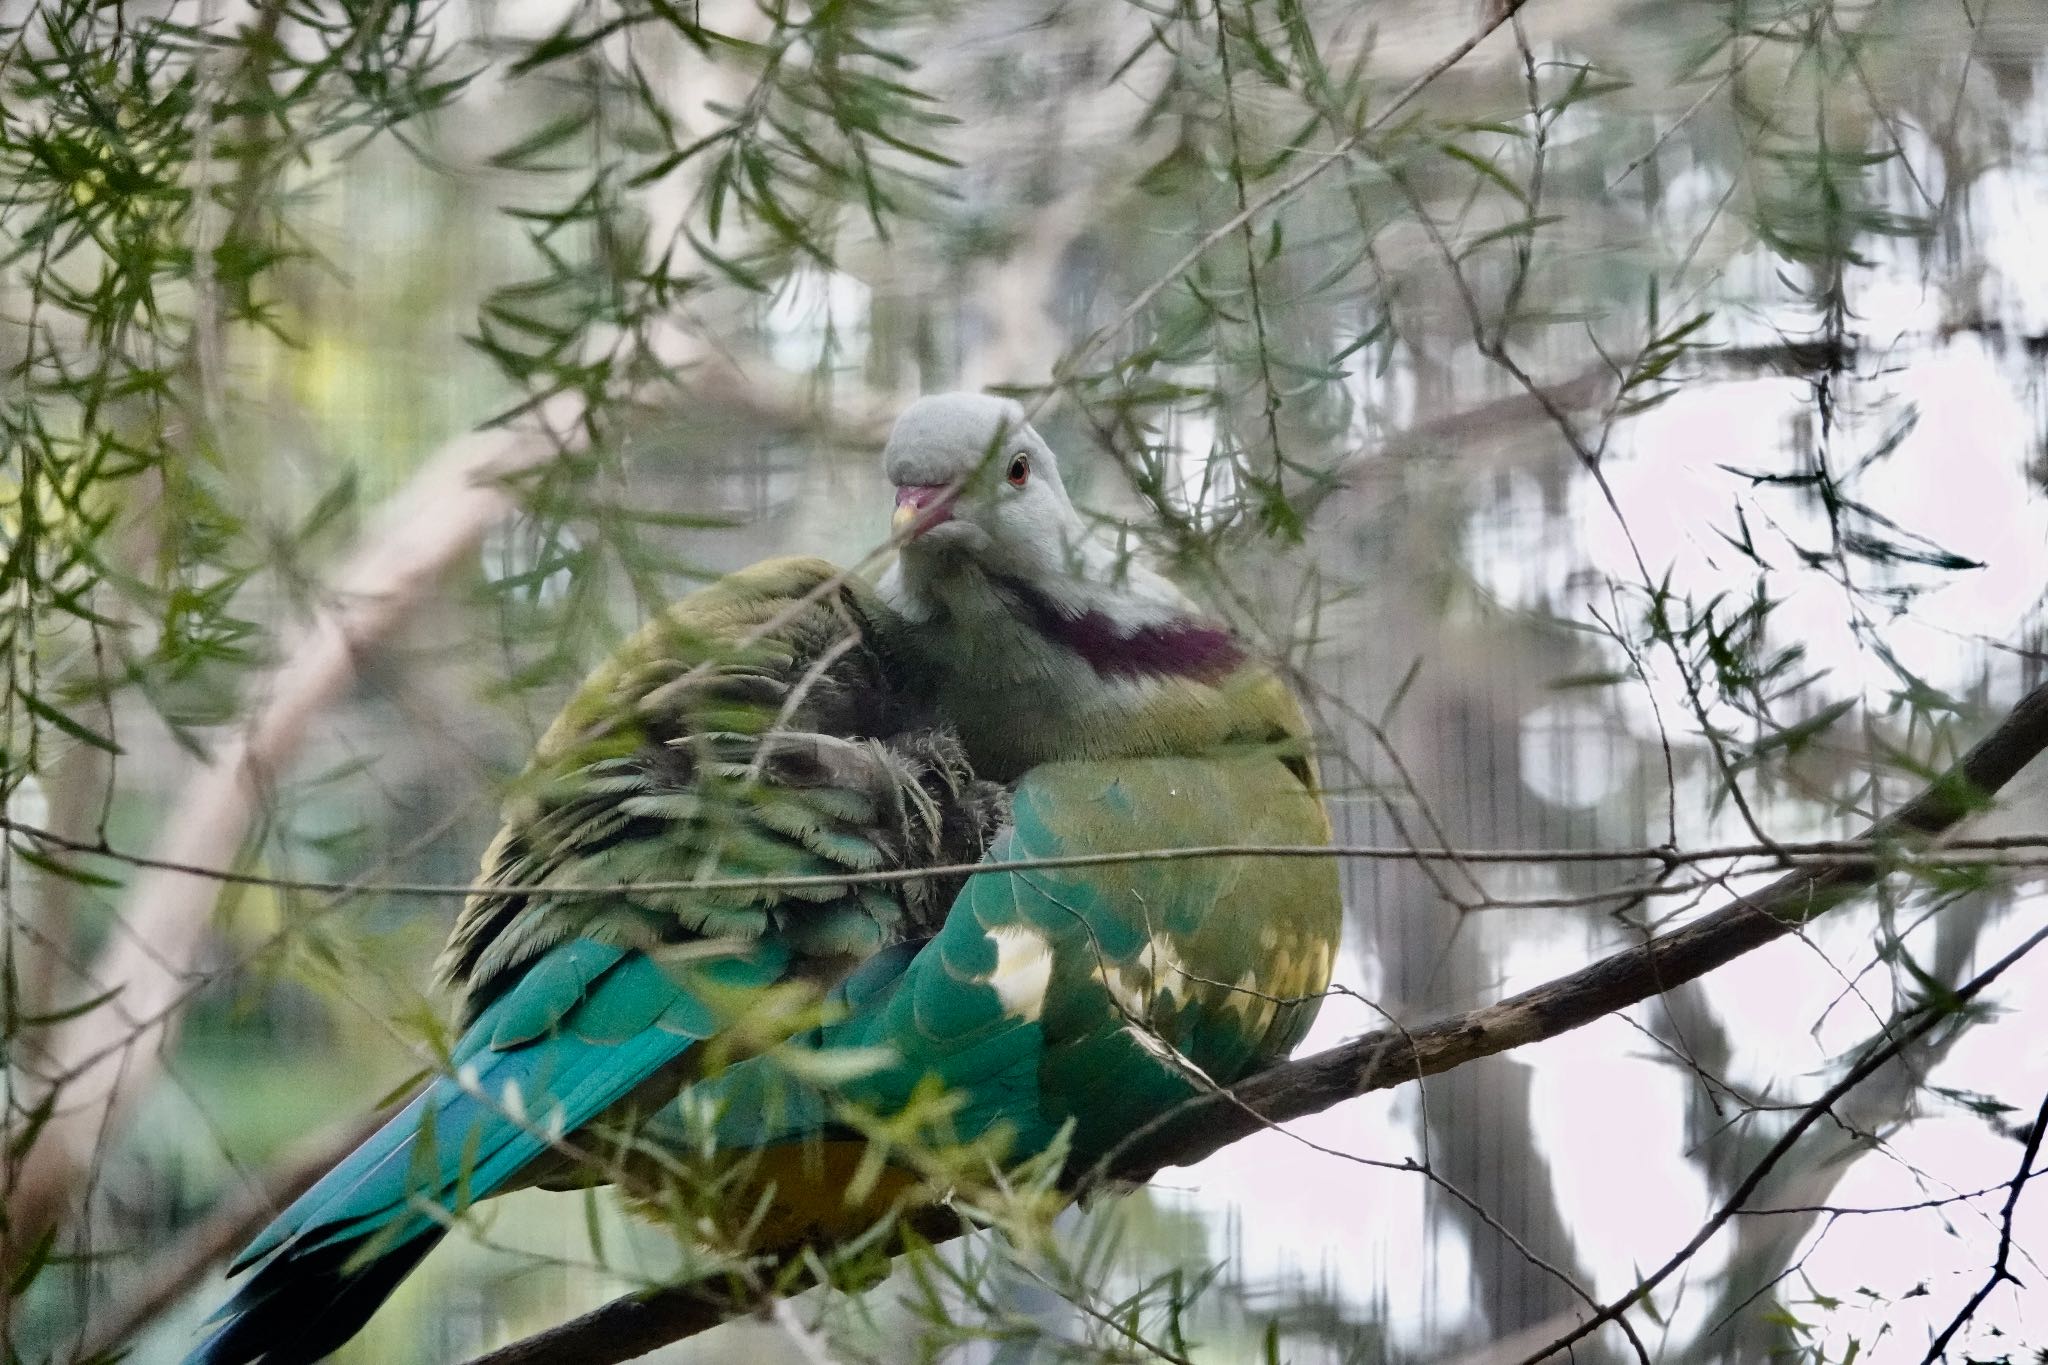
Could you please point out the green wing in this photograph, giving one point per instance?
(1095, 996)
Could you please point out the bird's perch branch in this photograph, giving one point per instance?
(1390, 1057)
(636, 1324)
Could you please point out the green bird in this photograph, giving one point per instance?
(689, 976)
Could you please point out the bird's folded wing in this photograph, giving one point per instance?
(1093, 996)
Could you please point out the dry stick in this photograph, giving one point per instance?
(639, 1323)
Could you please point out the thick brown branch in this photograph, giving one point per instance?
(626, 1327)
(634, 1325)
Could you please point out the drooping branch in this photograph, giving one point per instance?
(636, 1324)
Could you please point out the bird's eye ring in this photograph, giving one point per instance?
(1020, 470)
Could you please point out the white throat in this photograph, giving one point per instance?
(962, 591)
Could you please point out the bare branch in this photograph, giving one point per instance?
(1929, 1014)
(2000, 1267)
(99, 1062)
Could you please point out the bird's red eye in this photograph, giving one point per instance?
(1020, 470)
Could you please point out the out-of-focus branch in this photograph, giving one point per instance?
(632, 1326)
(94, 1066)
(74, 786)
(1585, 389)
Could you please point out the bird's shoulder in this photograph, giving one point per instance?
(756, 729)
(722, 646)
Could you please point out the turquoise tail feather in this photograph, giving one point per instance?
(579, 1031)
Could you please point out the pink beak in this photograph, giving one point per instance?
(921, 506)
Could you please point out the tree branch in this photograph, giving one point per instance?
(1933, 1012)
(92, 1067)
(2001, 1269)
(1390, 1057)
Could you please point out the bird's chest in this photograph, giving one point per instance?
(1016, 699)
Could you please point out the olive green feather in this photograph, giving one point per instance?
(701, 754)
(1097, 996)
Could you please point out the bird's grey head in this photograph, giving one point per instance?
(975, 484)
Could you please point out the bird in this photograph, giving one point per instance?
(770, 936)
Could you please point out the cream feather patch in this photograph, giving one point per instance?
(1023, 969)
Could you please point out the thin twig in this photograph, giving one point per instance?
(2000, 1272)
(1894, 852)
(1929, 1015)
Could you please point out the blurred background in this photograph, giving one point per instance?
(1627, 429)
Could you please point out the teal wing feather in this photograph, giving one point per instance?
(699, 752)
(1086, 999)
(580, 1029)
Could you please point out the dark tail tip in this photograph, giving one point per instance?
(301, 1305)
